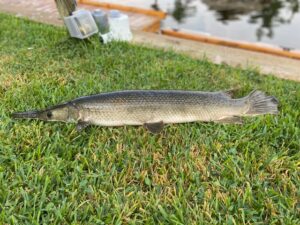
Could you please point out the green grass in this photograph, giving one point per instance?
(196, 173)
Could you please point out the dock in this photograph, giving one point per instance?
(140, 19)
(45, 10)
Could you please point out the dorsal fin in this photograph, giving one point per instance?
(229, 93)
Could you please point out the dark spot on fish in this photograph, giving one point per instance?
(49, 114)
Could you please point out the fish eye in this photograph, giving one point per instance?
(49, 114)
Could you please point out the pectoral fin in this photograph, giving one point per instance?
(154, 127)
(81, 125)
(233, 119)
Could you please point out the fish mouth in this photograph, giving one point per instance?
(26, 115)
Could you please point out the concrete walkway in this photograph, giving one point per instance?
(45, 11)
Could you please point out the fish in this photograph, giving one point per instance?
(155, 108)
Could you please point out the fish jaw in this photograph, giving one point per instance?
(26, 115)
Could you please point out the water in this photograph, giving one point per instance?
(275, 22)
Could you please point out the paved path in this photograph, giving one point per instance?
(281, 67)
(45, 11)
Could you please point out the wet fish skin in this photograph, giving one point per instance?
(155, 108)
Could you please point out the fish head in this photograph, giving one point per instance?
(55, 113)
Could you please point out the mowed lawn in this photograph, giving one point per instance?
(196, 173)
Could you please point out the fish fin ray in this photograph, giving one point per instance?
(231, 119)
(81, 125)
(230, 93)
(260, 103)
(154, 127)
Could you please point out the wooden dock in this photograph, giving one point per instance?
(272, 50)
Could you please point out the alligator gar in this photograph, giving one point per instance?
(153, 109)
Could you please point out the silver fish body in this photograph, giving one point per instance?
(155, 108)
(140, 107)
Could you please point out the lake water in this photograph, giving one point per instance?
(269, 21)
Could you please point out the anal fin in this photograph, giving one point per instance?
(154, 127)
(232, 119)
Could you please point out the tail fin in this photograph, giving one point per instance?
(260, 103)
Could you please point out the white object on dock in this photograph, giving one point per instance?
(81, 24)
(119, 27)
(101, 19)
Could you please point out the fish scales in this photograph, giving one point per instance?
(155, 108)
(139, 107)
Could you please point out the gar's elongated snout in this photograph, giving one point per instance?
(26, 115)
(61, 112)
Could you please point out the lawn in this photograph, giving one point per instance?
(196, 173)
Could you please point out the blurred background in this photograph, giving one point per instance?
(275, 22)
